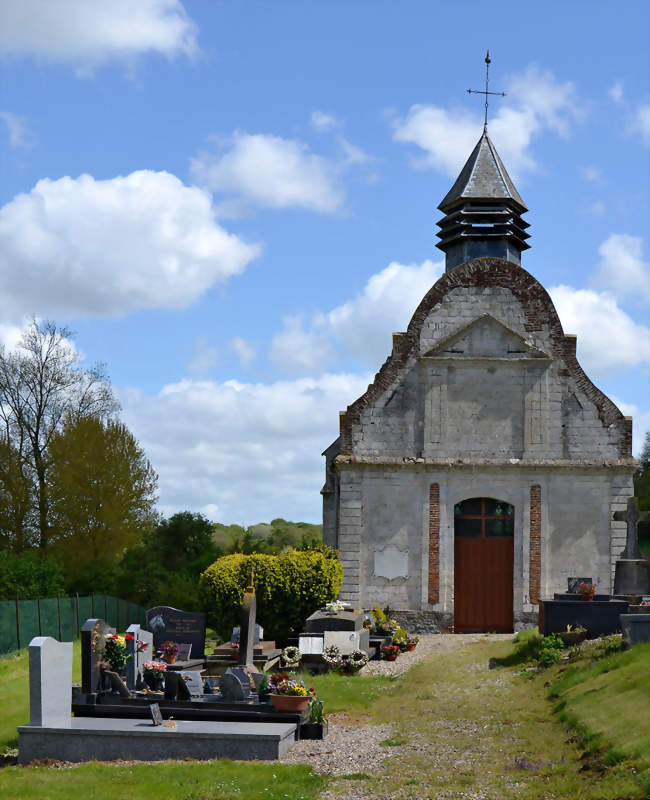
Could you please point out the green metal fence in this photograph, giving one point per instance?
(61, 617)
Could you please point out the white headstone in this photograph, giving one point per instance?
(346, 641)
(50, 682)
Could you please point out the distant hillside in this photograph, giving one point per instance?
(266, 537)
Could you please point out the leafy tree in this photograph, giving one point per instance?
(42, 383)
(16, 521)
(642, 492)
(101, 488)
(28, 575)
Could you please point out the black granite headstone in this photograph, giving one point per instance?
(174, 625)
(93, 639)
(231, 689)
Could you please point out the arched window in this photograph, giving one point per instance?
(483, 518)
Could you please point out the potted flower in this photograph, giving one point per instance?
(399, 638)
(153, 673)
(288, 695)
(316, 728)
(115, 655)
(169, 651)
(411, 643)
(390, 652)
(574, 634)
(587, 590)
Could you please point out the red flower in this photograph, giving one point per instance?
(128, 636)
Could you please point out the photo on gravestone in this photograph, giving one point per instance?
(93, 641)
(184, 651)
(175, 625)
(156, 715)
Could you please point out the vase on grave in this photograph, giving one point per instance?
(289, 704)
(170, 658)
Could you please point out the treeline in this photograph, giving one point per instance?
(78, 495)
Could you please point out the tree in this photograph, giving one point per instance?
(101, 488)
(16, 522)
(42, 383)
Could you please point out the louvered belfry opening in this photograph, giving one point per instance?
(482, 212)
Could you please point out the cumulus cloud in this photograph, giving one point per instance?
(89, 32)
(322, 122)
(19, 133)
(267, 171)
(609, 340)
(622, 270)
(241, 452)
(245, 350)
(640, 123)
(616, 92)
(360, 327)
(77, 247)
(535, 102)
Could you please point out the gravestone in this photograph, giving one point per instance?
(632, 573)
(636, 628)
(231, 689)
(117, 684)
(174, 625)
(184, 651)
(193, 681)
(50, 682)
(175, 687)
(259, 634)
(134, 664)
(93, 640)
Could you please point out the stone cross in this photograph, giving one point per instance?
(631, 575)
(632, 516)
(50, 682)
(247, 629)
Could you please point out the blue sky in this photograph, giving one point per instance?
(234, 205)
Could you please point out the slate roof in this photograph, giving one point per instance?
(483, 178)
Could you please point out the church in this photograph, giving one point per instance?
(481, 469)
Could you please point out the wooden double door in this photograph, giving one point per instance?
(483, 565)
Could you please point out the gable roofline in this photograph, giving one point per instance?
(538, 308)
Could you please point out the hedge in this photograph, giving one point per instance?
(289, 587)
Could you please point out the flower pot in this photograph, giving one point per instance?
(313, 730)
(170, 658)
(411, 646)
(573, 637)
(586, 597)
(289, 704)
(391, 657)
(154, 682)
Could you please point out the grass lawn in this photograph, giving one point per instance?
(460, 730)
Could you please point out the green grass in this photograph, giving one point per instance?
(351, 694)
(212, 780)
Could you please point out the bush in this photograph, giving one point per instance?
(29, 575)
(289, 587)
(549, 650)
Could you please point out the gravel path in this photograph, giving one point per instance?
(350, 748)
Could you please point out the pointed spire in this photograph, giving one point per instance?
(483, 211)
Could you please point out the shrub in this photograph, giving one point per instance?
(289, 587)
(549, 650)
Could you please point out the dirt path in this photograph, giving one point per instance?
(453, 729)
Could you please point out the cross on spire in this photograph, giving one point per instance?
(486, 92)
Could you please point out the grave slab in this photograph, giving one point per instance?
(87, 739)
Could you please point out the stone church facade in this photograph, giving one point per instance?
(481, 468)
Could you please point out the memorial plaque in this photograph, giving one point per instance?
(184, 651)
(193, 681)
(93, 639)
(156, 715)
(174, 625)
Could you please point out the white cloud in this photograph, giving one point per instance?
(270, 172)
(77, 247)
(360, 327)
(89, 32)
(322, 122)
(10, 335)
(204, 356)
(250, 452)
(245, 350)
(622, 270)
(616, 92)
(591, 174)
(535, 102)
(640, 123)
(19, 134)
(608, 339)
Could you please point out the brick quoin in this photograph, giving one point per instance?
(434, 543)
(535, 542)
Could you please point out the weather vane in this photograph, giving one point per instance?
(486, 93)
